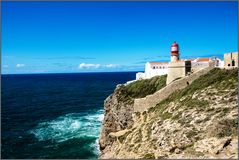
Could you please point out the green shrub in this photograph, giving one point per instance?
(227, 127)
(138, 136)
(140, 88)
(192, 134)
(216, 77)
(149, 156)
(137, 114)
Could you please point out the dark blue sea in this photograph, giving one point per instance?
(54, 115)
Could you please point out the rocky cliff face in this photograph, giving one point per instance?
(200, 121)
(118, 116)
(119, 107)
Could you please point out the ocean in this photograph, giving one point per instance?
(54, 115)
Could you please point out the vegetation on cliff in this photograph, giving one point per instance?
(119, 106)
(220, 79)
(141, 88)
(199, 121)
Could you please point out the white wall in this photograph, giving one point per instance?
(140, 75)
(174, 58)
(195, 64)
(150, 72)
(221, 64)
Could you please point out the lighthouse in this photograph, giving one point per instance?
(174, 52)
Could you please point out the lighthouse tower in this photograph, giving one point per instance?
(174, 52)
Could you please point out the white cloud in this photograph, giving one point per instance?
(96, 66)
(88, 65)
(20, 65)
(111, 65)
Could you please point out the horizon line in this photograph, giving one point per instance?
(69, 72)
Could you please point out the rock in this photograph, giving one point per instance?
(201, 123)
(177, 151)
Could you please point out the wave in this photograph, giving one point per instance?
(69, 126)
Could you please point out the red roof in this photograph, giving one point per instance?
(174, 44)
(203, 59)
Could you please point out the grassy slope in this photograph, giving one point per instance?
(141, 88)
(223, 82)
(216, 78)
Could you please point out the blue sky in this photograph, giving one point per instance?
(61, 37)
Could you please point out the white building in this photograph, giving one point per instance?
(161, 68)
(153, 69)
(199, 63)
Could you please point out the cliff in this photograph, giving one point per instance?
(197, 121)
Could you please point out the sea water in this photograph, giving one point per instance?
(54, 115)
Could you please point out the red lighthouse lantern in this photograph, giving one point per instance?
(174, 51)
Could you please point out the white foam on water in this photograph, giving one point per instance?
(101, 117)
(74, 125)
(69, 126)
(95, 147)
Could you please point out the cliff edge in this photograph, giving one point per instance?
(198, 121)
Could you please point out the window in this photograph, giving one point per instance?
(233, 62)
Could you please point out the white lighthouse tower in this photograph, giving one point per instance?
(174, 52)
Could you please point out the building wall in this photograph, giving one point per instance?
(151, 72)
(174, 58)
(228, 57)
(199, 65)
(221, 64)
(140, 75)
(180, 68)
(143, 104)
(176, 70)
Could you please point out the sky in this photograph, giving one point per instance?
(68, 37)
